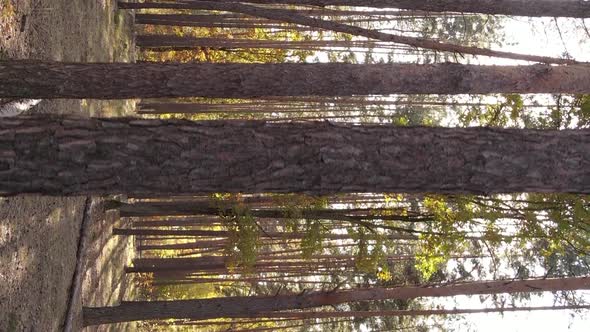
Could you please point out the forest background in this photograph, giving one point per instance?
(252, 245)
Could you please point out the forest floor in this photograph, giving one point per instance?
(40, 236)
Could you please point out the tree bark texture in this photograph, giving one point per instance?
(534, 8)
(72, 156)
(46, 80)
(252, 306)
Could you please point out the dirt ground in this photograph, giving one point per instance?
(63, 30)
(40, 236)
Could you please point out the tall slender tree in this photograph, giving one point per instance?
(534, 8)
(123, 80)
(254, 306)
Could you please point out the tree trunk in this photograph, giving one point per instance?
(208, 263)
(189, 245)
(294, 17)
(173, 42)
(210, 233)
(149, 18)
(73, 156)
(534, 8)
(411, 313)
(252, 306)
(45, 80)
(179, 223)
(188, 208)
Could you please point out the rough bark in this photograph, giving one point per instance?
(144, 80)
(294, 17)
(71, 156)
(534, 8)
(233, 307)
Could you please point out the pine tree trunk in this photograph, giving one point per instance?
(210, 233)
(534, 8)
(73, 156)
(195, 18)
(190, 245)
(187, 208)
(172, 42)
(45, 80)
(209, 263)
(413, 313)
(253, 306)
(179, 223)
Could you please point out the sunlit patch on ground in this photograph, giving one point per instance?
(37, 258)
(39, 235)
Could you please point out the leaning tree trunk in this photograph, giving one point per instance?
(73, 156)
(145, 80)
(534, 8)
(253, 306)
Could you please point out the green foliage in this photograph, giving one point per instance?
(312, 242)
(506, 113)
(553, 223)
(441, 239)
(293, 207)
(370, 254)
(476, 30)
(242, 248)
(220, 55)
(511, 111)
(7, 9)
(429, 265)
(186, 291)
(473, 30)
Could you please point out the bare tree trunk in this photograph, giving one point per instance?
(172, 42)
(146, 80)
(210, 233)
(534, 8)
(74, 156)
(179, 222)
(254, 305)
(184, 208)
(411, 313)
(189, 245)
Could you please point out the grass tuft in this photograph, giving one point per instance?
(6, 9)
